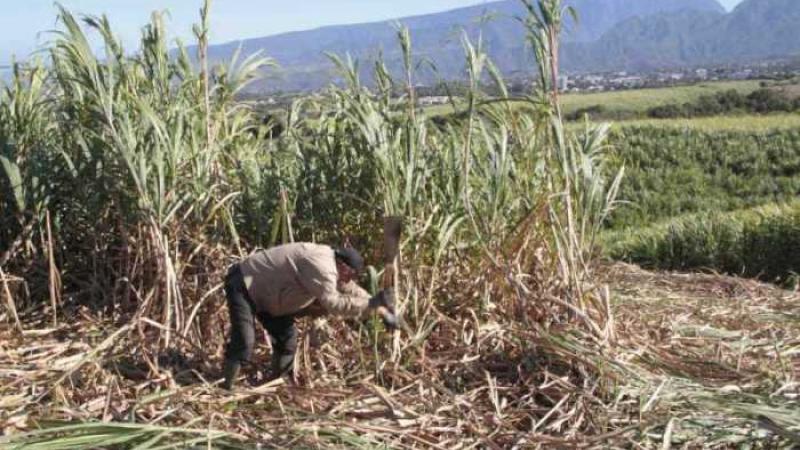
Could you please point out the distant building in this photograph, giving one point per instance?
(594, 79)
(563, 83)
(701, 74)
(631, 81)
(433, 100)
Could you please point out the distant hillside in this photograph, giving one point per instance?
(644, 43)
(756, 29)
(611, 34)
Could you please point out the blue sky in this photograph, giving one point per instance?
(23, 23)
(730, 4)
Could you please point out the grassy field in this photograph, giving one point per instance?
(750, 123)
(758, 124)
(700, 195)
(675, 170)
(637, 101)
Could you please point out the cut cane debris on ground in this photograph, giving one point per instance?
(701, 360)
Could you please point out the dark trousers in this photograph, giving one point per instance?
(242, 312)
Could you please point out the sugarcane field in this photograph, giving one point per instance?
(523, 224)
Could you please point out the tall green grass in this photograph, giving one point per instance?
(763, 242)
(137, 159)
(155, 178)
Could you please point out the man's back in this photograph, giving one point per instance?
(286, 279)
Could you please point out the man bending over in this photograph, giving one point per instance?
(290, 281)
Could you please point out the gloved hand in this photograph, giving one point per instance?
(385, 298)
(390, 320)
(383, 303)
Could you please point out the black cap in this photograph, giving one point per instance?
(351, 257)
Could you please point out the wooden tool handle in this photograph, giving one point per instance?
(392, 229)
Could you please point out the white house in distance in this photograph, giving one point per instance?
(563, 83)
(433, 100)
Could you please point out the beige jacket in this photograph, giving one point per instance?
(287, 279)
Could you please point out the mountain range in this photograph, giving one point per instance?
(755, 30)
(609, 35)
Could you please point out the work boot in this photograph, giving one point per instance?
(282, 364)
(231, 373)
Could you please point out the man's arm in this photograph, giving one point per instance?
(358, 301)
(352, 301)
